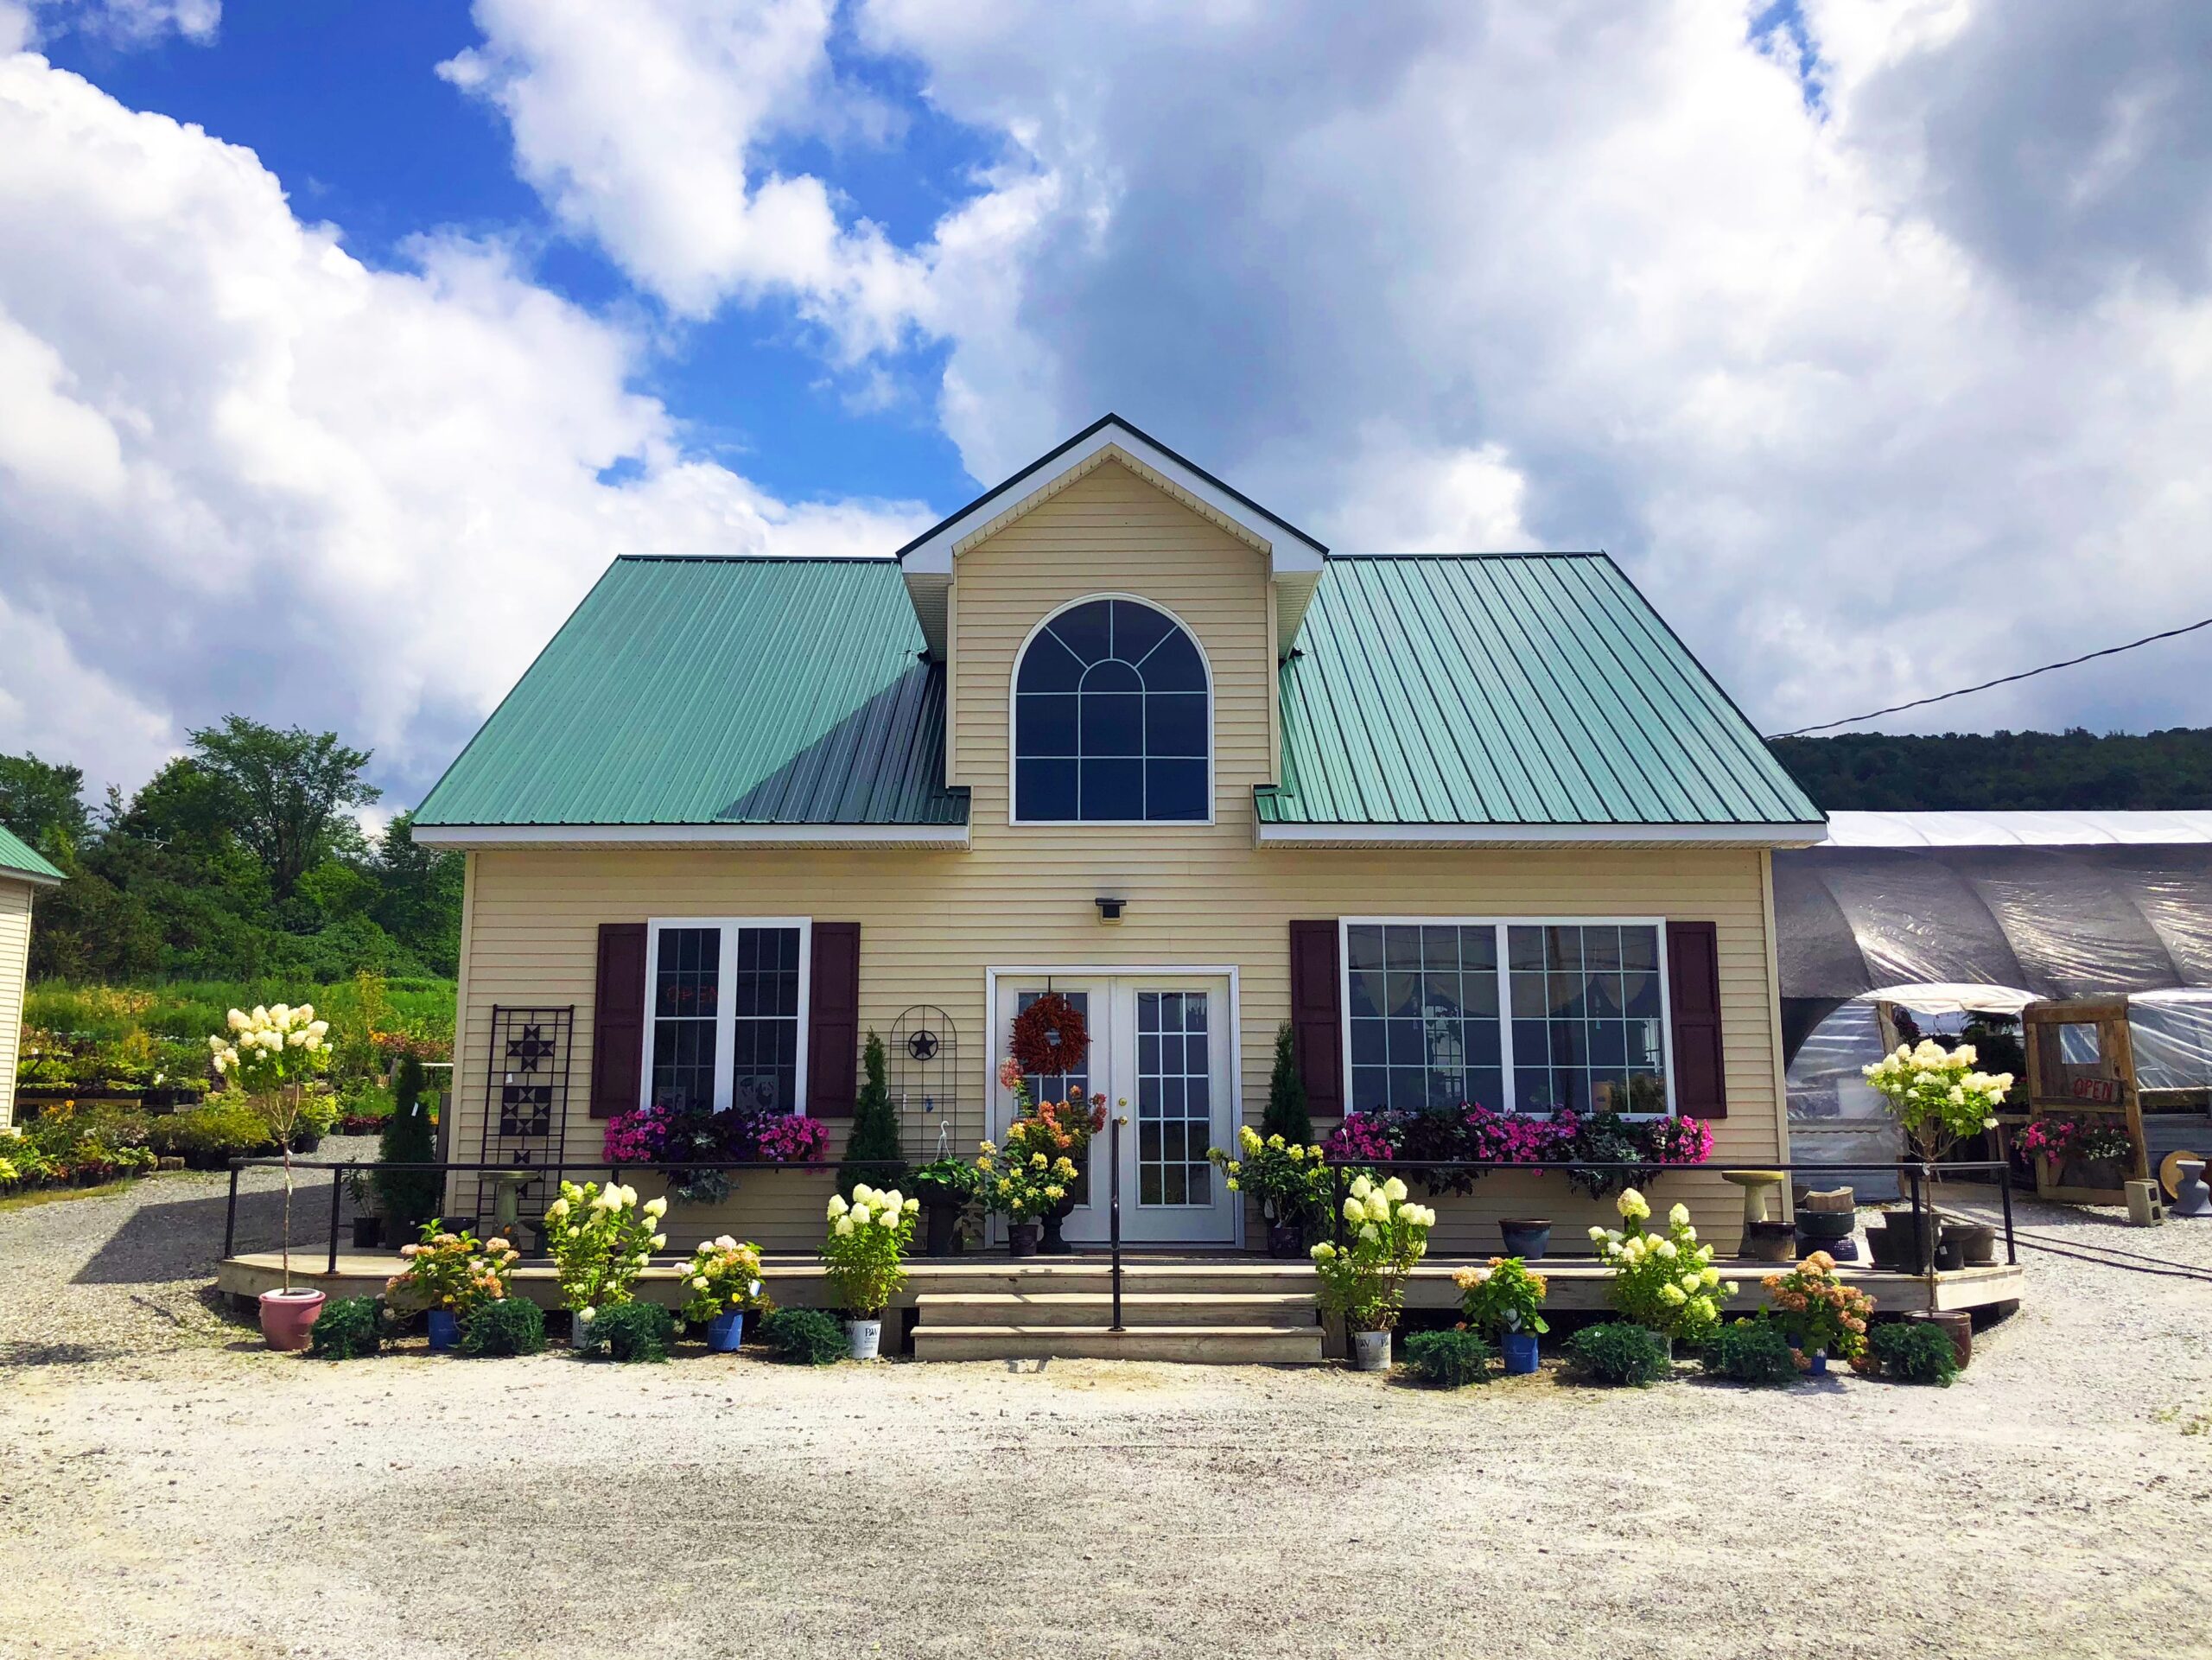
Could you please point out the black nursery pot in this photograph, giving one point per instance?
(1285, 1240)
(368, 1232)
(1825, 1225)
(942, 1224)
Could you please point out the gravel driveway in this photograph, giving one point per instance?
(169, 1488)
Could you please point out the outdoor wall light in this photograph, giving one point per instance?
(1109, 910)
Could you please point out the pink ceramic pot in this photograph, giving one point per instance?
(287, 1317)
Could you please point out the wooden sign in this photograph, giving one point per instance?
(2104, 1091)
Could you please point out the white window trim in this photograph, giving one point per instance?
(1344, 924)
(725, 1015)
(1012, 754)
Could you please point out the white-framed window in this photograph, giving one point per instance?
(1112, 718)
(1515, 1014)
(725, 1009)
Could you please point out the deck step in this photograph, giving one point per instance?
(1210, 1344)
(1094, 1308)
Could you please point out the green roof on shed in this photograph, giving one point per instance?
(19, 858)
(718, 691)
(1508, 689)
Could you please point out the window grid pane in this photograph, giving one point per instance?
(1426, 1031)
(764, 1036)
(1110, 719)
(1174, 1099)
(687, 977)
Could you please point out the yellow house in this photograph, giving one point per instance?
(21, 872)
(1479, 827)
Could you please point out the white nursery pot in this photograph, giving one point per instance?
(863, 1339)
(1370, 1351)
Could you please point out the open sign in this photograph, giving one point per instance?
(2103, 1089)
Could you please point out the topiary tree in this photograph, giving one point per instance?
(1286, 1115)
(409, 1197)
(872, 1150)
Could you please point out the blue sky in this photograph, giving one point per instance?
(1869, 337)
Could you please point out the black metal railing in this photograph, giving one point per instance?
(1920, 1174)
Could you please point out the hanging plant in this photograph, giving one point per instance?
(1049, 1037)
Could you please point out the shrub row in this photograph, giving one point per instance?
(350, 1328)
(1754, 1351)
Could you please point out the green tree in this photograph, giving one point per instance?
(290, 791)
(1286, 1114)
(872, 1154)
(408, 1197)
(41, 801)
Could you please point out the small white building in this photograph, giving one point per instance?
(21, 870)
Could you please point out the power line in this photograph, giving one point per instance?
(2002, 680)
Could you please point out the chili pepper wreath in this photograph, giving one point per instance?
(1050, 1038)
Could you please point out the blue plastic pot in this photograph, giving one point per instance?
(1519, 1349)
(726, 1332)
(445, 1330)
(1816, 1364)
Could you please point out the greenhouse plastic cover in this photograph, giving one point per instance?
(1903, 900)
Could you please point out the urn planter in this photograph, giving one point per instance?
(1526, 1237)
(287, 1317)
(1052, 1245)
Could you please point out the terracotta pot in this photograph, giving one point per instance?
(287, 1317)
(1960, 1325)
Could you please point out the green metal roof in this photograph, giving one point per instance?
(718, 691)
(1523, 688)
(19, 858)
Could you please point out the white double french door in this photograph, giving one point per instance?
(1163, 1043)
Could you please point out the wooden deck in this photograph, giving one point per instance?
(1578, 1284)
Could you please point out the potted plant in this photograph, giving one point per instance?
(446, 1277)
(1664, 1283)
(1822, 1316)
(600, 1240)
(1506, 1301)
(270, 1054)
(1290, 1179)
(1022, 1188)
(368, 1222)
(863, 1256)
(723, 1278)
(1364, 1280)
(1938, 1095)
(944, 1186)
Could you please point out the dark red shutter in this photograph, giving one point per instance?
(1315, 1016)
(618, 1020)
(833, 1038)
(1694, 991)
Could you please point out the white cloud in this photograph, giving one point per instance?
(125, 24)
(644, 126)
(240, 470)
(1878, 393)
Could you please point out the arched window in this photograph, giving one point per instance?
(1112, 719)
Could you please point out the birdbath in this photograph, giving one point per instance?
(1755, 1184)
(507, 1198)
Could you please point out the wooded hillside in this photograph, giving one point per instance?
(2016, 770)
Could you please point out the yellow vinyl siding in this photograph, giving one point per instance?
(933, 921)
(15, 959)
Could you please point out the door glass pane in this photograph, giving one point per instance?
(687, 978)
(1174, 1094)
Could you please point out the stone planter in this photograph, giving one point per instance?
(1053, 1245)
(287, 1317)
(1977, 1242)
(1771, 1242)
(1526, 1237)
(863, 1339)
(1370, 1351)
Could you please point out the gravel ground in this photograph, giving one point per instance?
(168, 1487)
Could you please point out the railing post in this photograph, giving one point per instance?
(230, 1216)
(2004, 1194)
(1114, 1209)
(337, 1176)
